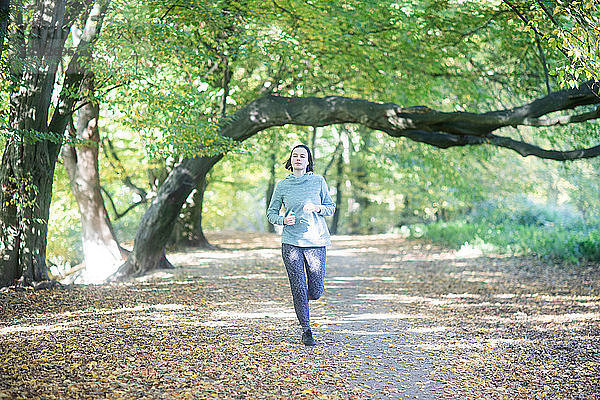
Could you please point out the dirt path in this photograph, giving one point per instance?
(398, 320)
(410, 320)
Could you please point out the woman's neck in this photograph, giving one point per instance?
(298, 173)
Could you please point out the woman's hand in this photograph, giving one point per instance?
(310, 208)
(290, 219)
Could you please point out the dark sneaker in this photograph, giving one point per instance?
(307, 338)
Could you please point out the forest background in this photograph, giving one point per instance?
(158, 83)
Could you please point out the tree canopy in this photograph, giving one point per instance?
(181, 86)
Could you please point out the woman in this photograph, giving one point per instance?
(306, 201)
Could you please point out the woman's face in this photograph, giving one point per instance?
(299, 159)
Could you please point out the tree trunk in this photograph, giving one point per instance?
(158, 221)
(198, 238)
(188, 230)
(26, 180)
(338, 194)
(28, 162)
(271, 186)
(102, 253)
(360, 185)
(313, 143)
(27, 167)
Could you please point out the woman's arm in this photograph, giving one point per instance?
(274, 207)
(327, 204)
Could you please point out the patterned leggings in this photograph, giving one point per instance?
(297, 260)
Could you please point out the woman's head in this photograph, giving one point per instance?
(300, 159)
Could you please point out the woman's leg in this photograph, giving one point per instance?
(294, 264)
(315, 271)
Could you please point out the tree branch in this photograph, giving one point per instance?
(171, 9)
(120, 169)
(422, 124)
(563, 119)
(547, 12)
(544, 64)
(463, 35)
(527, 149)
(285, 10)
(527, 23)
(119, 215)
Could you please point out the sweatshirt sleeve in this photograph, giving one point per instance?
(326, 200)
(274, 207)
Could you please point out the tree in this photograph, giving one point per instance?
(422, 124)
(307, 57)
(101, 250)
(31, 151)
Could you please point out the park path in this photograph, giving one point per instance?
(398, 320)
(358, 321)
(411, 320)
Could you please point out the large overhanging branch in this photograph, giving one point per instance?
(422, 124)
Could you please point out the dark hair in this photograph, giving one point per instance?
(309, 167)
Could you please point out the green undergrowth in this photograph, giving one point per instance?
(556, 234)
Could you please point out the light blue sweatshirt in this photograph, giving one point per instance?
(294, 193)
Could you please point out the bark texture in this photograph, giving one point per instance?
(27, 166)
(199, 239)
(190, 226)
(422, 124)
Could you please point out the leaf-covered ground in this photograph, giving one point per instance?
(398, 320)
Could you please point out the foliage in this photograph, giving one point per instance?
(161, 78)
(241, 179)
(522, 227)
(571, 28)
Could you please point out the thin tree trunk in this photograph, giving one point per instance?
(338, 194)
(271, 185)
(544, 63)
(360, 185)
(199, 239)
(313, 142)
(225, 85)
(101, 250)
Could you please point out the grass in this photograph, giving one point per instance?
(546, 233)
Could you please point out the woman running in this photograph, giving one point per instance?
(306, 201)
